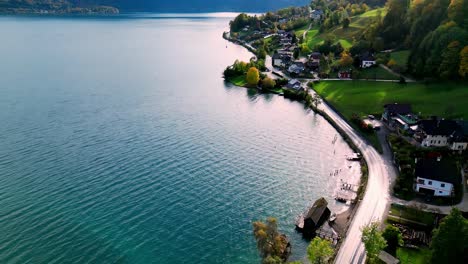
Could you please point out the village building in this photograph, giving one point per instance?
(295, 85)
(345, 74)
(367, 60)
(441, 133)
(281, 60)
(436, 176)
(313, 63)
(400, 117)
(309, 222)
(296, 68)
(316, 14)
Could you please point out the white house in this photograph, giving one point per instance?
(435, 141)
(460, 146)
(367, 60)
(441, 133)
(436, 177)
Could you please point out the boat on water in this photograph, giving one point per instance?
(354, 157)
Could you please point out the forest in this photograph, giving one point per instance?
(435, 32)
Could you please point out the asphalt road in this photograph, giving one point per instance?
(373, 206)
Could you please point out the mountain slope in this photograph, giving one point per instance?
(64, 6)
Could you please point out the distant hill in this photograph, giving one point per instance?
(111, 6)
(197, 5)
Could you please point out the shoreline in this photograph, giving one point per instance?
(346, 216)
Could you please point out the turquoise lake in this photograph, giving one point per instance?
(121, 143)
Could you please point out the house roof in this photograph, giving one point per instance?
(317, 210)
(398, 109)
(315, 55)
(367, 56)
(441, 127)
(317, 12)
(464, 126)
(294, 84)
(444, 170)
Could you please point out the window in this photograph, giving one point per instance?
(430, 183)
(439, 141)
(440, 191)
(420, 181)
(442, 185)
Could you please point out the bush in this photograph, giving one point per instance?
(268, 83)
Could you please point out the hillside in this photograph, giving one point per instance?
(53, 7)
(64, 6)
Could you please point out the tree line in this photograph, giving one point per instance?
(435, 32)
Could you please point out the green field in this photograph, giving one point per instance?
(412, 214)
(239, 80)
(401, 57)
(368, 97)
(339, 34)
(413, 256)
(312, 38)
(300, 31)
(377, 73)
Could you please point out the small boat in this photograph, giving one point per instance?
(354, 157)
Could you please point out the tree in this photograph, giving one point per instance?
(450, 60)
(463, 70)
(391, 63)
(268, 83)
(450, 240)
(346, 22)
(270, 243)
(296, 53)
(253, 76)
(373, 241)
(392, 235)
(316, 100)
(319, 251)
(346, 60)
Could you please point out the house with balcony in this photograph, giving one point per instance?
(436, 176)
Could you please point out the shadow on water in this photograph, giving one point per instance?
(252, 94)
(268, 96)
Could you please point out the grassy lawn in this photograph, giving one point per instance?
(239, 80)
(377, 73)
(413, 256)
(374, 12)
(401, 57)
(312, 38)
(412, 214)
(344, 36)
(366, 97)
(301, 30)
(345, 43)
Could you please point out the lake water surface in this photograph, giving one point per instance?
(121, 143)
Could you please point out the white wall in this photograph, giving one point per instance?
(459, 146)
(436, 141)
(440, 188)
(366, 64)
(278, 63)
